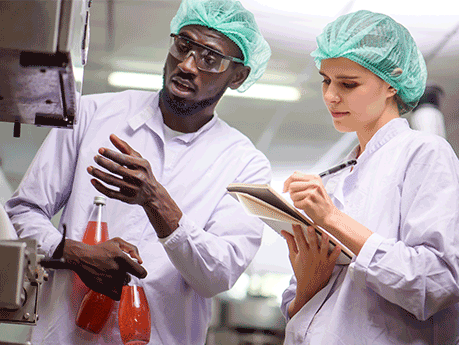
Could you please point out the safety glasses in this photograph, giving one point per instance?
(207, 59)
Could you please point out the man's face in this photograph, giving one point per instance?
(185, 83)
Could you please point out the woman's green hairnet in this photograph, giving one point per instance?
(381, 45)
(231, 19)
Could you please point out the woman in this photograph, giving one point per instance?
(397, 209)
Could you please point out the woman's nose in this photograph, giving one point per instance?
(331, 94)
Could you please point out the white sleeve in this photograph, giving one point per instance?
(419, 270)
(45, 188)
(212, 259)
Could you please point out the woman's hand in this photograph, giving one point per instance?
(308, 194)
(312, 264)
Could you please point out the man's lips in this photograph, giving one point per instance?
(183, 84)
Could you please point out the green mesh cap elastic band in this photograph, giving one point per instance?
(381, 45)
(231, 19)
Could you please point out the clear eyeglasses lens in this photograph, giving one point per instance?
(206, 60)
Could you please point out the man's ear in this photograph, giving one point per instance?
(239, 76)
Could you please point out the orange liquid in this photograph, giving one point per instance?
(93, 234)
(134, 316)
(94, 311)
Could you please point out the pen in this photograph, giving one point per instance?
(338, 168)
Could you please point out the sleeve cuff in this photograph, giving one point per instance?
(52, 240)
(360, 266)
(178, 236)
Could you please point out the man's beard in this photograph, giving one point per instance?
(184, 108)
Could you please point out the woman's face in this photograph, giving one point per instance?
(357, 99)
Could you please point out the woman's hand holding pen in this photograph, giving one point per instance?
(308, 194)
(312, 264)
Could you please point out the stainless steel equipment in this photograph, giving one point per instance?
(43, 50)
(22, 272)
(21, 276)
(254, 320)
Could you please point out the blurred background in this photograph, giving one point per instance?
(283, 114)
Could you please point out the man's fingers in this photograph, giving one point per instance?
(121, 158)
(129, 248)
(109, 178)
(133, 267)
(123, 146)
(113, 166)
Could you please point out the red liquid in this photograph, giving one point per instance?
(93, 234)
(94, 311)
(134, 316)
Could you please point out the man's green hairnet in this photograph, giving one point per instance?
(231, 19)
(381, 45)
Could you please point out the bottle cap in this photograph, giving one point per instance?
(100, 200)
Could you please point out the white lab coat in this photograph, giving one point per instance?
(403, 287)
(213, 245)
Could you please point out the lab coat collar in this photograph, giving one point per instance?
(381, 137)
(385, 134)
(152, 117)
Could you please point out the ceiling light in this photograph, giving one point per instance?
(155, 82)
(268, 91)
(136, 80)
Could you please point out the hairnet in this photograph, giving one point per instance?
(231, 19)
(381, 45)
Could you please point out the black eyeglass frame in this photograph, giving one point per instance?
(226, 57)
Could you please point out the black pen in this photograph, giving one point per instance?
(338, 168)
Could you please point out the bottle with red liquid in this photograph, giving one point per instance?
(96, 232)
(96, 308)
(134, 314)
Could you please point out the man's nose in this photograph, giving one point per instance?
(189, 64)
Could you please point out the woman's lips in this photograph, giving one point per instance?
(337, 114)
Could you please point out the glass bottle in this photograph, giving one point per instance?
(96, 232)
(134, 314)
(95, 308)
(94, 312)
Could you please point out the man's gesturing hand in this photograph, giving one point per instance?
(130, 173)
(136, 184)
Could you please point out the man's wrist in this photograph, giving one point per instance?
(72, 251)
(164, 218)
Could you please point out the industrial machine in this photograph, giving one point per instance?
(43, 50)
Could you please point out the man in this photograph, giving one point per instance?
(164, 160)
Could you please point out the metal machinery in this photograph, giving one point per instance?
(43, 50)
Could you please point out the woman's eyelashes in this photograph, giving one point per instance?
(350, 85)
(344, 84)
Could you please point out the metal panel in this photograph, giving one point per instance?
(41, 62)
(30, 25)
(12, 256)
